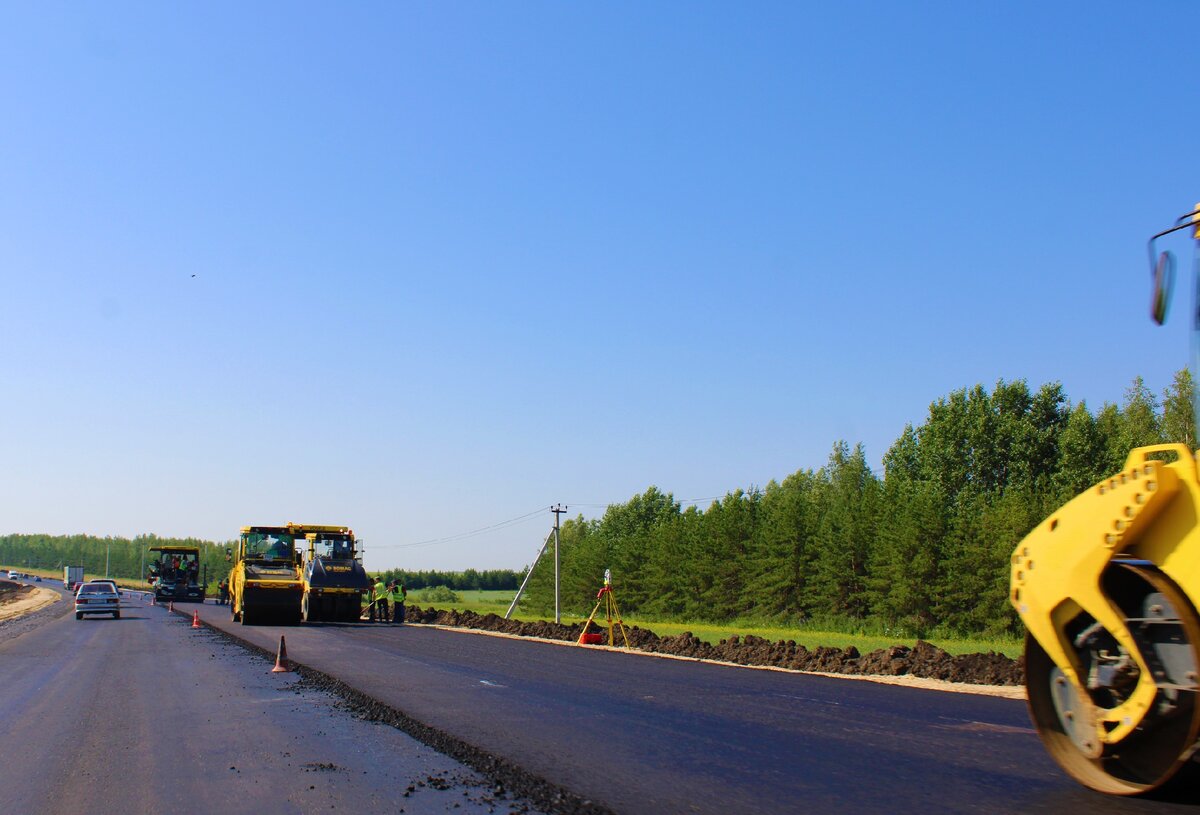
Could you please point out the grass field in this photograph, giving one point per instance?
(497, 602)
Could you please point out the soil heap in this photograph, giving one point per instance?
(922, 660)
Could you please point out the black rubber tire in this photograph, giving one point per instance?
(78, 615)
(116, 615)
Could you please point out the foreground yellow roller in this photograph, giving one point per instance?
(1105, 587)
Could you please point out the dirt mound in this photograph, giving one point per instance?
(923, 660)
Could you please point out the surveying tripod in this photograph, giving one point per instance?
(606, 598)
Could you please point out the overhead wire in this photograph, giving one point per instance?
(520, 519)
(511, 522)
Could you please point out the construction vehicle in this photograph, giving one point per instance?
(334, 578)
(1107, 588)
(265, 584)
(176, 574)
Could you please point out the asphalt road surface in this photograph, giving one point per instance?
(645, 735)
(145, 714)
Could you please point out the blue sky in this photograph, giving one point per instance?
(423, 268)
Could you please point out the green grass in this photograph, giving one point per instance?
(496, 602)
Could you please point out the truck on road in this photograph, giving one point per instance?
(72, 577)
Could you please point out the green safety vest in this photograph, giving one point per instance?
(398, 595)
(380, 591)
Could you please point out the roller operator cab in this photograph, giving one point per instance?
(265, 583)
(334, 578)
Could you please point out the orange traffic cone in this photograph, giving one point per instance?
(171, 606)
(281, 661)
(152, 599)
(195, 619)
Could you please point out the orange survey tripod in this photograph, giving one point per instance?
(606, 598)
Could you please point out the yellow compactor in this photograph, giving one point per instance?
(1107, 587)
(334, 578)
(265, 584)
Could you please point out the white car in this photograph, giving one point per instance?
(97, 598)
(13, 575)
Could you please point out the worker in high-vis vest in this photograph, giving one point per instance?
(398, 595)
(379, 601)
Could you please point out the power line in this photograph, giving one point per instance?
(517, 521)
(463, 535)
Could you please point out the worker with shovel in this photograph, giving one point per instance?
(380, 603)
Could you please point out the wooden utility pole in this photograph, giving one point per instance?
(557, 509)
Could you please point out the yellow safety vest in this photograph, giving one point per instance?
(380, 591)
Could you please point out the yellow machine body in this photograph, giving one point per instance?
(265, 583)
(1112, 680)
(334, 579)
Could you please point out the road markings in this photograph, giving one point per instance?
(491, 684)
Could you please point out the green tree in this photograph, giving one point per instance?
(1178, 410)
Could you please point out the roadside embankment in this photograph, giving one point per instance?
(17, 599)
(923, 660)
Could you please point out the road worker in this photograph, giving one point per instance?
(399, 595)
(380, 603)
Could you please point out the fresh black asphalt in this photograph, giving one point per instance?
(639, 734)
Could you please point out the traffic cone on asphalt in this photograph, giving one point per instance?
(171, 606)
(195, 619)
(152, 599)
(281, 661)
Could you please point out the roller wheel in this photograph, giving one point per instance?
(1155, 751)
(329, 608)
(310, 609)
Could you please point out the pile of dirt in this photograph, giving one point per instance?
(11, 592)
(922, 660)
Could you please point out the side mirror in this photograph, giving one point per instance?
(1164, 281)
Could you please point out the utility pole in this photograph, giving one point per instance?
(107, 549)
(557, 509)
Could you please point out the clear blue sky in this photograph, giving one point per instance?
(424, 267)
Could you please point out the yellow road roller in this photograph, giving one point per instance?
(1107, 588)
(265, 584)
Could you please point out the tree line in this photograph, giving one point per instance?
(129, 558)
(922, 547)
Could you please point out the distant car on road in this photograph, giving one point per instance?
(13, 575)
(97, 598)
